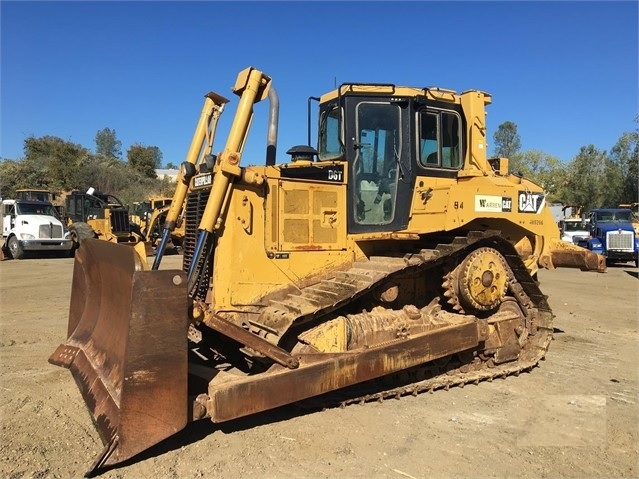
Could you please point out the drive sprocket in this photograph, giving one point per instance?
(478, 283)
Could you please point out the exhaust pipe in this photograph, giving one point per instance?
(273, 120)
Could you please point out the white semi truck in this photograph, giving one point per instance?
(32, 226)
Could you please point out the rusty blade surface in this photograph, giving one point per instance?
(568, 255)
(127, 348)
(318, 374)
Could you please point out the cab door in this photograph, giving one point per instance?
(8, 218)
(377, 149)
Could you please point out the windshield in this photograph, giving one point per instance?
(34, 195)
(142, 209)
(35, 209)
(604, 216)
(330, 143)
(574, 226)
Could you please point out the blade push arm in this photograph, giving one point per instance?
(204, 130)
(252, 85)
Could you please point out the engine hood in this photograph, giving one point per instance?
(38, 220)
(615, 226)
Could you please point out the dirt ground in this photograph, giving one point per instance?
(574, 416)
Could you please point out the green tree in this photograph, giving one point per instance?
(544, 169)
(107, 144)
(59, 166)
(624, 159)
(583, 185)
(107, 175)
(506, 139)
(144, 159)
(20, 174)
(55, 160)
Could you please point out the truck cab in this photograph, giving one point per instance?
(611, 234)
(574, 229)
(36, 194)
(32, 226)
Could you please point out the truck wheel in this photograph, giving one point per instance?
(80, 231)
(15, 248)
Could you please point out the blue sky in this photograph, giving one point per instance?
(565, 72)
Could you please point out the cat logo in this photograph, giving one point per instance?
(531, 202)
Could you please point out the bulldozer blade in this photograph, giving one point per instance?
(127, 348)
(569, 255)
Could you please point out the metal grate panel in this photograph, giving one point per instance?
(620, 241)
(194, 209)
(120, 221)
(50, 231)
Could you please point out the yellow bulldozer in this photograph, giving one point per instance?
(150, 216)
(392, 258)
(634, 207)
(92, 214)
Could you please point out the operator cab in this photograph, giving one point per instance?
(371, 127)
(84, 206)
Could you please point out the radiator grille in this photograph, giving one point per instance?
(194, 209)
(620, 241)
(120, 221)
(50, 231)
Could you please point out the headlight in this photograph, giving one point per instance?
(188, 171)
(26, 236)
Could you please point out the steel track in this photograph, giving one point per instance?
(331, 296)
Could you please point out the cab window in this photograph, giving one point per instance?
(375, 168)
(439, 139)
(330, 144)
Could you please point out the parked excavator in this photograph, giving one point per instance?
(392, 258)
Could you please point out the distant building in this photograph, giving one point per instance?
(560, 211)
(170, 174)
(557, 211)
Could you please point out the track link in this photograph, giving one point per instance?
(331, 295)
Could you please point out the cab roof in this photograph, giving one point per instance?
(385, 89)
